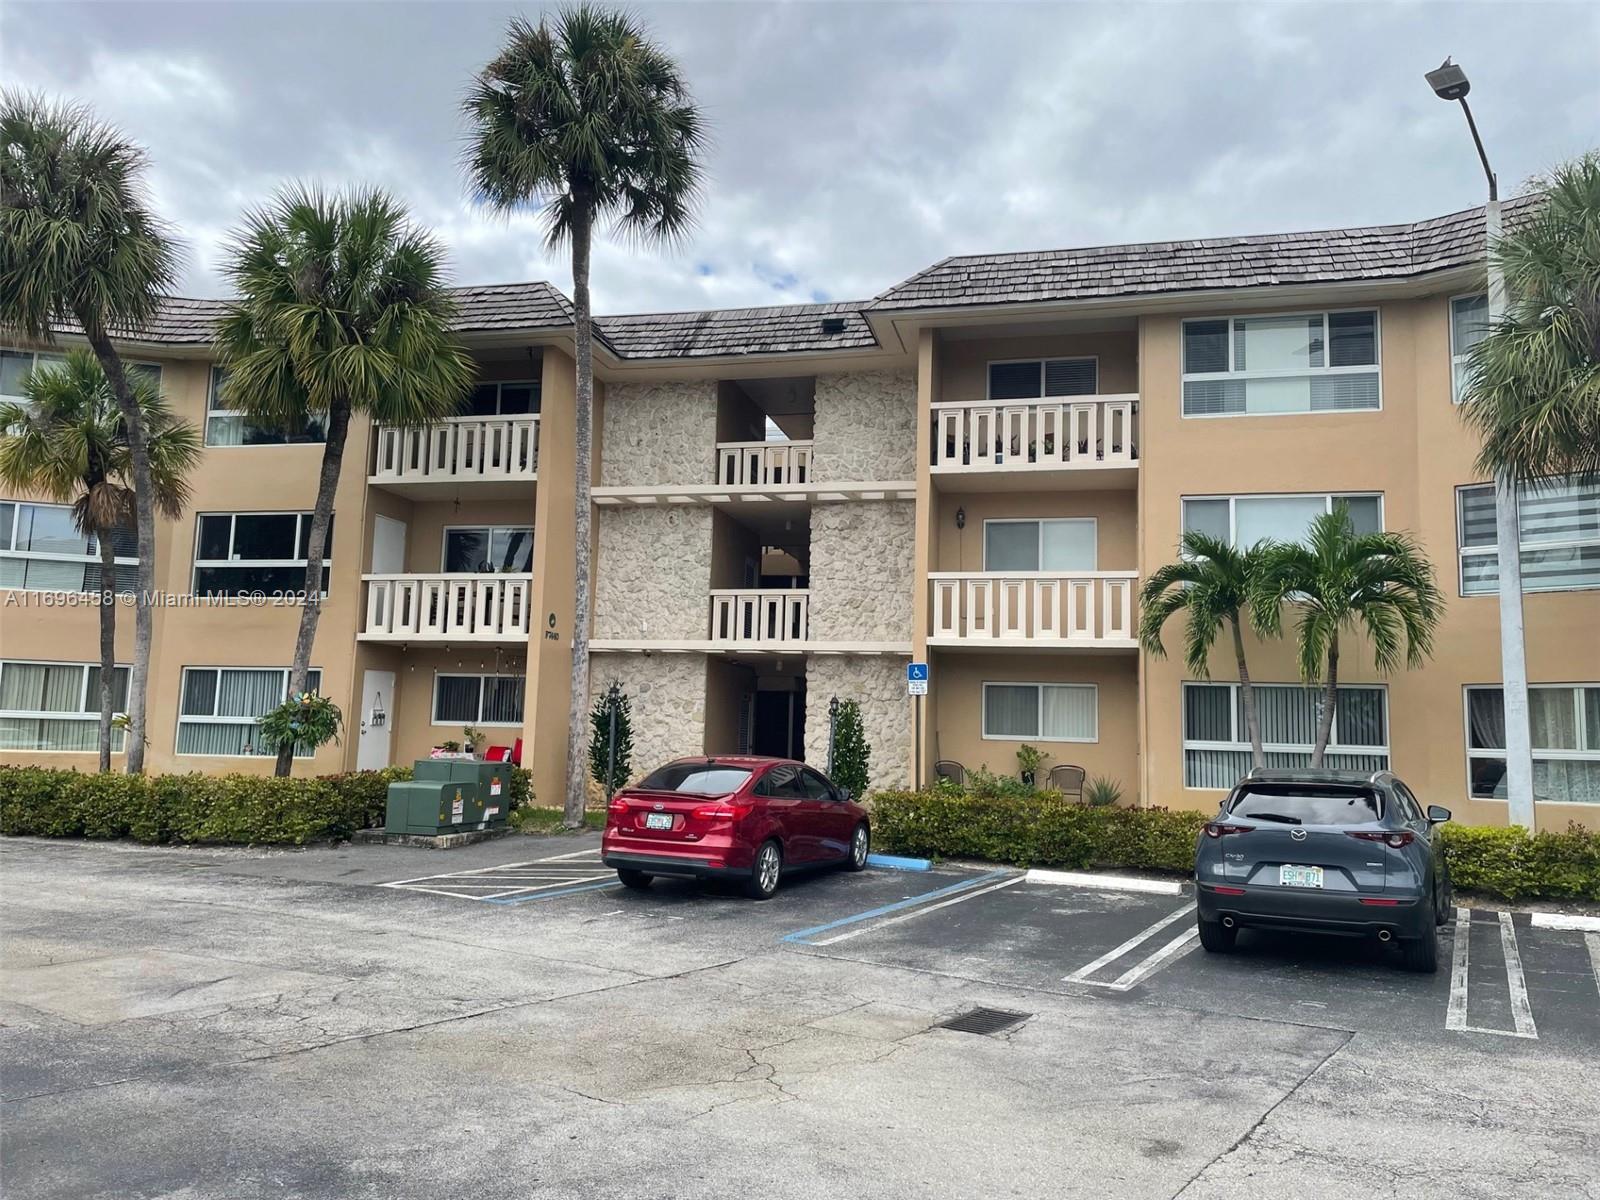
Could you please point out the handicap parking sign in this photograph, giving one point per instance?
(917, 679)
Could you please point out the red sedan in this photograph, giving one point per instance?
(733, 817)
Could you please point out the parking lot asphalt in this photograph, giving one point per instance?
(506, 1020)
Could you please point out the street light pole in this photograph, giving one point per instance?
(1449, 82)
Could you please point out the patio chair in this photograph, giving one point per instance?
(947, 768)
(1067, 780)
(497, 754)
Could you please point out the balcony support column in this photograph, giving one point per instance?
(924, 747)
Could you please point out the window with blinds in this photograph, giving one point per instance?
(219, 707)
(1559, 521)
(1564, 728)
(1216, 740)
(1309, 362)
(1246, 520)
(1469, 324)
(1038, 379)
(477, 699)
(229, 426)
(42, 550)
(1043, 712)
(56, 706)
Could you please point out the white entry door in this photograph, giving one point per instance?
(388, 546)
(377, 709)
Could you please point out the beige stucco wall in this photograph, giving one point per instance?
(1115, 514)
(654, 573)
(659, 433)
(667, 697)
(861, 572)
(878, 685)
(964, 362)
(865, 427)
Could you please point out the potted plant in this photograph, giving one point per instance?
(1029, 760)
(472, 739)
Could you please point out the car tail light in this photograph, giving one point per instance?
(1228, 891)
(720, 812)
(1395, 838)
(1379, 903)
(619, 805)
(1216, 829)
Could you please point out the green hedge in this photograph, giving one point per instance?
(215, 809)
(1042, 829)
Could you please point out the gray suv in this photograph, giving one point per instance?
(1327, 852)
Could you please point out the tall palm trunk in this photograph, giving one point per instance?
(108, 642)
(144, 512)
(577, 711)
(316, 551)
(1330, 699)
(1247, 698)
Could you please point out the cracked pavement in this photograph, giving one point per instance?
(229, 1024)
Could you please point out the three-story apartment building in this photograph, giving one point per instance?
(976, 469)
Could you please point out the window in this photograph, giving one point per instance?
(1299, 804)
(1312, 362)
(1053, 545)
(503, 399)
(1035, 379)
(239, 553)
(219, 706)
(1469, 322)
(226, 426)
(1246, 520)
(702, 779)
(1564, 726)
(15, 365)
(1216, 742)
(781, 782)
(480, 550)
(1559, 521)
(815, 786)
(1046, 712)
(56, 706)
(477, 699)
(42, 550)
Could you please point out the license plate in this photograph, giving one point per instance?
(664, 821)
(1300, 876)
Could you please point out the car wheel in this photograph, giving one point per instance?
(1447, 900)
(637, 880)
(1421, 954)
(860, 847)
(765, 872)
(1216, 937)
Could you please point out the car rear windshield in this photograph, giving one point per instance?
(1302, 804)
(704, 779)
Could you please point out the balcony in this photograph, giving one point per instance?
(447, 608)
(1086, 441)
(499, 456)
(751, 473)
(763, 464)
(774, 619)
(1033, 609)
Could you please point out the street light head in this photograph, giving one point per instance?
(1449, 82)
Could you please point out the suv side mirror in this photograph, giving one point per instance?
(1437, 815)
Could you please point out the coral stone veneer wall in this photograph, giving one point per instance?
(667, 694)
(865, 426)
(654, 574)
(878, 684)
(861, 572)
(659, 433)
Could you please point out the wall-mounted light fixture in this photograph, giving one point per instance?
(961, 518)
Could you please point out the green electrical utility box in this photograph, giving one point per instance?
(449, 796)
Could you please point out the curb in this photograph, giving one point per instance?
(1547, 920)
(895, 863)
(1117, 883)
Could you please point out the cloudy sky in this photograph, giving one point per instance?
(854, 143)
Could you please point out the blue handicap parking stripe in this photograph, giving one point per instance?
(801, 935)
(895, 863)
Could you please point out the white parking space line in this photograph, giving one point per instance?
(1461, 977)
(1115, 883)
(917, 912)
(1081, 975)
(531, 863)
(1594, 956)
(1172, 951)
(1544, 920)
(504, 880)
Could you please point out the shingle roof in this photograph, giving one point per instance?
(785, 329)
(1095, 272)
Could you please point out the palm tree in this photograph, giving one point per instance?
(341, 309)
(1378, 583)
(1214, 583)
(80, 245)
(1533, 382)
(586, 119)
(68, 441)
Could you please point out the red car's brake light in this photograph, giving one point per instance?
(1396, 838)
(618, 805)
(1216, 829)
(720, 812)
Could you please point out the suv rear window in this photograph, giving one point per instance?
(1307, 804)
(703, 779)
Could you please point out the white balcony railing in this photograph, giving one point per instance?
(763, 464)
(447, 608)
(1023, 435)
(748, 617)
(459, 450)
(1091, 607)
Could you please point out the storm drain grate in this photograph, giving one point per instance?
(983, 1020)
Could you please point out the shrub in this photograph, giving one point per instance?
(851, 768)
(1102, 792)
(600, 739)
(1512, 863)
